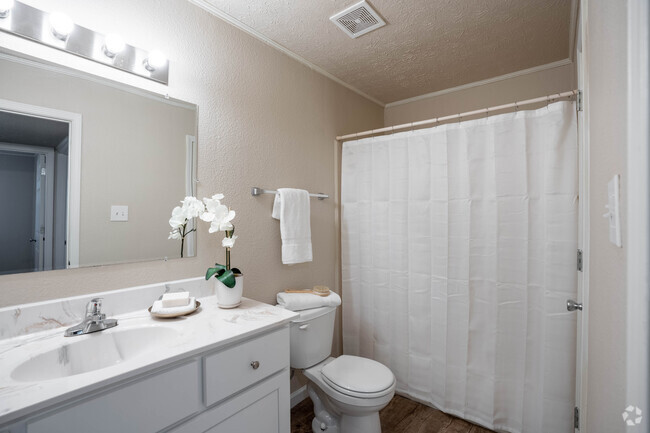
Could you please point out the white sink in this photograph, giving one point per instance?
(82, 354)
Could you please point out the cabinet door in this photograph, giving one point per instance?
(145, 406)
(260, 416)
(264, 408)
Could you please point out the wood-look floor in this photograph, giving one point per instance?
(400, 416)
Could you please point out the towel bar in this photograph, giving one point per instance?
(255, 191)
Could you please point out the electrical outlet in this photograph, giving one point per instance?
(119, 213)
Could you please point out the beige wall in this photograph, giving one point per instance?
(264, 120)
(132, 153)
(606, 66)
(533, 85)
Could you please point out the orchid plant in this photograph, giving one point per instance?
(191, 208)
(220, 219)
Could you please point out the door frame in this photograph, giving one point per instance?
(638, 208)
(74, 167)
(582, 338)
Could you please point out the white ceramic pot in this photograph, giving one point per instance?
(227, 297)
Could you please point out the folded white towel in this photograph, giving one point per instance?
(176, 299)
(305, 301)
(291, 207)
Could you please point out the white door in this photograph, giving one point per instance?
(18, 238)
(27, 186)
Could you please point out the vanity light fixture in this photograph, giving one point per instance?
(58, 31)
(156, 60)
(5, 8)
(61, 24)
(113, 45)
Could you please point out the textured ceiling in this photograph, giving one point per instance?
(32, 131)
(426, 46)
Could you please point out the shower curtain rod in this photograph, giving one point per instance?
(485, 111)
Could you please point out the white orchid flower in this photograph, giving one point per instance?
(212, 207)
(220, 226)
(192, 207)
(175, 234)
(178, 217)
(228, 242)
(217, 214)
(221, 219)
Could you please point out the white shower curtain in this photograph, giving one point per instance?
(458, 255)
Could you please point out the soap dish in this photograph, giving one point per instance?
(170, 314)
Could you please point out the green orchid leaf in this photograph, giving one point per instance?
(210, 273)
(218, 269)
(228, 278)
(236, 271)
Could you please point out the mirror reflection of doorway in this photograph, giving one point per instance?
(33, 193)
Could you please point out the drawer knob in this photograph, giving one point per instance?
(255, 365)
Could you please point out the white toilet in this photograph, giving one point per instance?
(347, 391)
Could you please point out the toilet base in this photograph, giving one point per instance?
(328, 420)
(361, 424)
(325, 420)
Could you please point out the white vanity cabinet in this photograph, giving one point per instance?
(240, 387)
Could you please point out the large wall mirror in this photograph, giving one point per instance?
(89, 170)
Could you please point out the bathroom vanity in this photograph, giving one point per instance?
(215, 370)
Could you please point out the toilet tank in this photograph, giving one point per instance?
(311, 336)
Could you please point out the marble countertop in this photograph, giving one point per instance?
(209, 328)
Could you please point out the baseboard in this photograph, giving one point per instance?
(299, 395)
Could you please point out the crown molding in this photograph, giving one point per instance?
(205, 5)
(539, 68)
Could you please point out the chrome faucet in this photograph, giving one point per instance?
(94, 321)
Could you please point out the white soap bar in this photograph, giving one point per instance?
(157, 308)
(178, 299)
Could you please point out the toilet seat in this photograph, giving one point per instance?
(358, 377)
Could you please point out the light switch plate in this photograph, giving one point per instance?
(119, 213)
(613, 214)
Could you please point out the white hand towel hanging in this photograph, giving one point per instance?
(291, 207)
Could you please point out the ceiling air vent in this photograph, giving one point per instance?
(358, 20)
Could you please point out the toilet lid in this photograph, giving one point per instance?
(356, 374)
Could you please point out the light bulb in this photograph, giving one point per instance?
(62, 25)
(5, 7)
(113, 45)
(156, 60)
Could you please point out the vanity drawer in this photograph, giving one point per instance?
(233, 369)
(148, 405)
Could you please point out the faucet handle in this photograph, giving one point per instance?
(94, 307)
